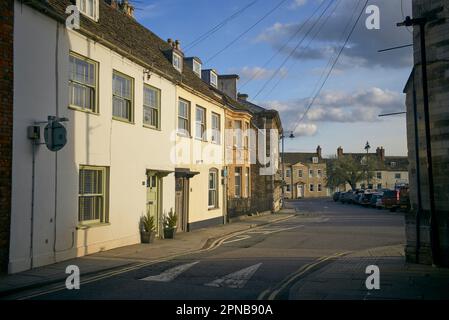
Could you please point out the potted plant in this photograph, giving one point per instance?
(170, 225)
(148, 228)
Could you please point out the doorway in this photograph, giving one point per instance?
(182, 202)
(153, 200)
(300, 190)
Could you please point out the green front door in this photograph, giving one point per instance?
(153, 188)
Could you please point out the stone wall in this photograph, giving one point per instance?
(6, 113)
(437, 45)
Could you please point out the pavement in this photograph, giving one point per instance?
(136, 255)
(344, 278)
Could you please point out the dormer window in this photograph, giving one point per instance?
(214, 79)
(177, 61)
(197, 68)
(315, 159)
(393, 164)
(89, 8)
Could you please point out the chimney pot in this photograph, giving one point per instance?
(243, 96)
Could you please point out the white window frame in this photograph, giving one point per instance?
(200, 124)
(216, 128)
(238, 134)
(315, 160)
(101, 195)
(153, 109)
(311, 187)
(300, 173)
(196, 66)
(129, 99)
(183, 118)
(311, 173)
(83, 8)
(319, 173)
(213, 189)
(287, 173)
(91, 86)
(177, 61)
(238, 177)
(214, 79)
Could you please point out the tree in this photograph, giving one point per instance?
(349, 169)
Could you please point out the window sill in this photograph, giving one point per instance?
(151, 127)
(123, 120)
(92, 225)
(213, 208)
(76, 108)
(183, 135)
(199, 139)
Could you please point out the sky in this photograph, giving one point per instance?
(283, 51)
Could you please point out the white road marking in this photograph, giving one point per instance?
(236, 279)
(270, 231)
(170, 274)
(239, 238)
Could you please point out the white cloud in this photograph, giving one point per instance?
(306, 130)
(257, 73)
(337, 106)
(298, 3)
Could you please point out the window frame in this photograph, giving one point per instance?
(96, 87)
(238, 134)
(311, 187)
(216, 132)
(311, 173)
(214, 172)
(131, 111)
(214, 76)
(103, 219)
(315, 160)
(96, 8)
(158, 108)
(396, 174)
(203, 125)
(187, 132)
(197, 64)
(300, 173)
(319, 187)
(238, 173)
(179, 65)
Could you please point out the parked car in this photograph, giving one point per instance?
(374, 198)
(346, 197)
(365, 199)
(404, 199)
(356, 196)
(336, 196)
(390, 200)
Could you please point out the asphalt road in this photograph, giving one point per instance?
(262, 263)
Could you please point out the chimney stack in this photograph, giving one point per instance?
(382, 154)
(318, 151)
(227, 83)
(339, 152)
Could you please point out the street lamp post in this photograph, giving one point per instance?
(367, 147)
(434, 237)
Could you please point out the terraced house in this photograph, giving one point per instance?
(144, 133)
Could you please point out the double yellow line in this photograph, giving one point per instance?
(273, 293)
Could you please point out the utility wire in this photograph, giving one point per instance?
(210, 32)
(307, 46)
(403, 16)
(247, 30)
(292, 51)
(333, 66)
(301, 26)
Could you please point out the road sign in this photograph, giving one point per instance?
(55, 135)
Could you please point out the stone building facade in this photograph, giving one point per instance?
(6, 112)
(305, 175)
(418, 231)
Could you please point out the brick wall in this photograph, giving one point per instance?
(6, 107)
(437, 38)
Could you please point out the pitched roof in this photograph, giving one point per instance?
(260, 111)
(303, 157)
(124, 34)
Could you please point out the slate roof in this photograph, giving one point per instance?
(116, 30)
(401, 161)
(260, 111)
(303, 157)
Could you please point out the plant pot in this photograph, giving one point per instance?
(169, 233)
(147, 237)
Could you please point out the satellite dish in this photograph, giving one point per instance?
(55, 135)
